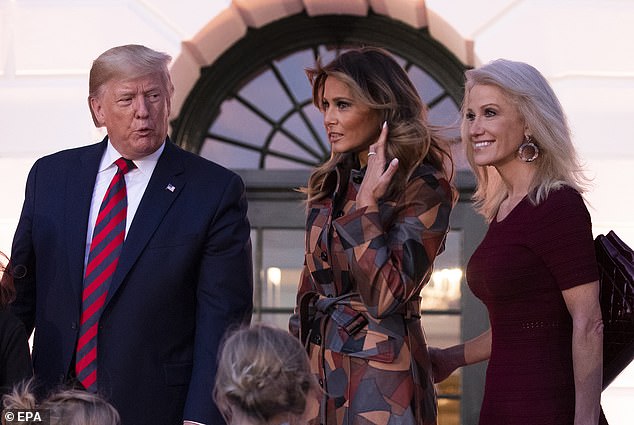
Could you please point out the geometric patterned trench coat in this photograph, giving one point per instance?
(358, 302)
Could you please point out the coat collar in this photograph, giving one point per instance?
(164, 187)
(79, 188)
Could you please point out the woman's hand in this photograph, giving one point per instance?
(377, 178)
(445, 361)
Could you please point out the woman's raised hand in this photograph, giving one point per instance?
(377, 177)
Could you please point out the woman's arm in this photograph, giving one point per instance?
(587, 350)
(392, 264)
(446, 360)
(478, 349)
(303, 287)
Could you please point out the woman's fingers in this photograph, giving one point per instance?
(386, 178)
(379, 147)
(377, 177)
(391, 169)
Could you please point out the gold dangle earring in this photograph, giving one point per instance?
(528, 150)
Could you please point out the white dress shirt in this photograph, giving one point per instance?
(136, 181)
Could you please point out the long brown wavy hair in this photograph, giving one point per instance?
(380, 83)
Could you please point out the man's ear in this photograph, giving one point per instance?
(96, 111)
(170, 95)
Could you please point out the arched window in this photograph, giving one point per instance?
(252, 109)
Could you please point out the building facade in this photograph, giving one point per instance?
(242, 100)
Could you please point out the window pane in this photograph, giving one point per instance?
(267, 95)
(291, 67)
(428, 88)
(282, 144)
(230, 156)
(448, 412)
(282, 260)
(238, 122)
(442, 292)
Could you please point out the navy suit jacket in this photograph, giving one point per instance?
(184, 277)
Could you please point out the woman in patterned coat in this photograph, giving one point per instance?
(377, 216)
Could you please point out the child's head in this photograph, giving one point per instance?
(76, 407)
(65, 407)
(264, 374)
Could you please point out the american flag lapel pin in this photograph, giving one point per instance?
(170, 187)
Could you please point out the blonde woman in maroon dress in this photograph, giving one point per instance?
(535, 269)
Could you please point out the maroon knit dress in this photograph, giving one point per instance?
(519, 271)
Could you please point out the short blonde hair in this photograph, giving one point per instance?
(263, 372)
(65, 406)
(76, 407)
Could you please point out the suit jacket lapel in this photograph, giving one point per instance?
(79, 189)
(166, 183)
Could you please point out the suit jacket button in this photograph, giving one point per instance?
(73, 325)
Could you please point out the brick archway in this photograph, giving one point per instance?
(232, 24)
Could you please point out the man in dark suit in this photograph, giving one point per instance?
(139, 317)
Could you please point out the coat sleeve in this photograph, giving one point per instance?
(391, 264)
(304, 287)
(23, 259)
(224, 296)
(14, 353)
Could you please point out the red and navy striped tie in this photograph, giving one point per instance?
(107, 241)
